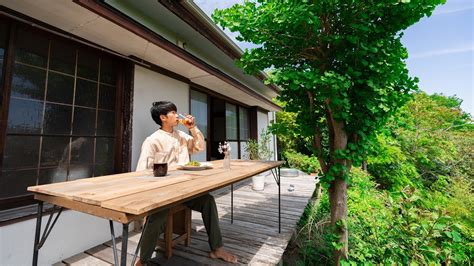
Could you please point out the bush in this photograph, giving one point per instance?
(302, 162)
(390, 167)
(387, 228)
(259, 150)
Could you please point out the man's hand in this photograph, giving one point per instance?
(190, 122)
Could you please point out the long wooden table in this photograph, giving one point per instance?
(127, 197)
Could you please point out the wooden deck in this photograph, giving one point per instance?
(253, 236)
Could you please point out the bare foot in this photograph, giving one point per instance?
(138, 263)
(221, 253)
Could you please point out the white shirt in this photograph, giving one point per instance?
(173, 147)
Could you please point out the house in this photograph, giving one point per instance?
(77, 80)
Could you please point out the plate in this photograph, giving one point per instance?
(203, 166)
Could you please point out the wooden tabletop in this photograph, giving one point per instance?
(129, 196)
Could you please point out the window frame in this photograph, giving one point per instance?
(211, 97)
(124, 79)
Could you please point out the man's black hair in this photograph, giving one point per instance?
(161, 108)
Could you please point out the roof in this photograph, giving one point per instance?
(147, 31)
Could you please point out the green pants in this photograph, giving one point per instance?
(206, 205)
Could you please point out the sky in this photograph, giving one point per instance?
(440, 48)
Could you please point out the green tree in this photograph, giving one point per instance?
(436, 136)
(341, 64)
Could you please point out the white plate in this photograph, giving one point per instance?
(203, 166)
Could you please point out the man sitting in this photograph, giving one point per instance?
(177, 146)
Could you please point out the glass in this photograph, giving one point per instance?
(86, 93)
(231, 121)
(31, 47)
(103, 169)
(234, 149)
(106, 123)
(243, 153)
(24, 116)
(54, 151)
(106, 97)
(87, 65)
(63, 57)
(200, 156)
(52, 175)
(39, 136)
(105, 148)
(184, 120)
(14, 183)
(60, 88)
(57, 119)
(3, 42)
(21, 152)
(78, 171)
(244, 124)
(28, 82)
(84, 121)
(226, 162)
(199, 110)
(82, 151)
(108, 71)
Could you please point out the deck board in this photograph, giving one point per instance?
(253, 236)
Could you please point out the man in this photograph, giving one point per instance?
(176, 147)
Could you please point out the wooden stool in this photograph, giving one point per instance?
(178, 221)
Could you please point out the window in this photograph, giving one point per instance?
(61, 112)
(199, 111)
(244, 131)
(3, 45)
(231, 129)
(230, 122)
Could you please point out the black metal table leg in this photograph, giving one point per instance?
(276, 176)
(114, 247)
(37, 233)
(279, 201)
(123, 260)
(47, 230)
(232, 203)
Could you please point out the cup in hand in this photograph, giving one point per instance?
(159, 164)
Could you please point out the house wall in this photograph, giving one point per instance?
(73, 233)
(151, 87)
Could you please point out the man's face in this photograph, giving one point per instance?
(170, 119)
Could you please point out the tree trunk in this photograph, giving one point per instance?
(338, 191)
(338, 201)
(364, 165)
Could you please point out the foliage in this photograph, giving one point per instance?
(389, 165)
(336, 60)
(288, 132)
(436, 136)
(303, 162)
(387, 228)
(342, 62)
(396, 215)
(259, 150)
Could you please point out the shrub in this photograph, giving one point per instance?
(390, 166)
(259, 150)
(387, 228)
(302, 162)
